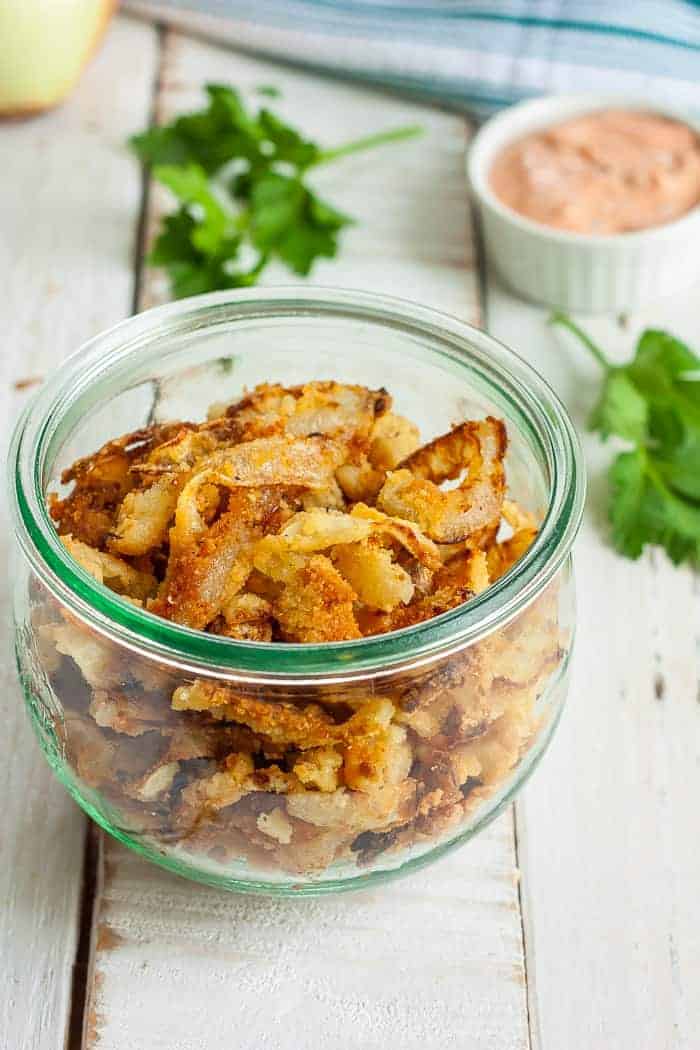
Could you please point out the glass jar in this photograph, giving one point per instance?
(403, 745)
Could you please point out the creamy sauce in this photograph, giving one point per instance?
(603, 173)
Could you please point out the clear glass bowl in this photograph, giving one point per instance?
(460, 708)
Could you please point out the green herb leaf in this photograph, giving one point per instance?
(653, 402)
(211, 137)
(679, 465)
(628, 487)
(288, 145)
(239, 180)
(644, 510)
(212, 223)
(193, 270)
(289, 221)
(621, 410)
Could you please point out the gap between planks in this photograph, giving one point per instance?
(92, 880)
(64, 280)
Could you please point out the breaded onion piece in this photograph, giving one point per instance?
(456, 583)
(180, 452)
(342, 411)
(373, 574)
(209, 565)
(319, 768)
(308, 726)
(392, 440)
(371, 568)
(146, 512)
(360, 480)
(101, 480)
(247, 617)
(457, 514)
(503, 556)
(317, 530)
(124, 712)
(316, 603)
(111, 571)
(145, 515)
(307, 462)
(304, 727)
(402, 531)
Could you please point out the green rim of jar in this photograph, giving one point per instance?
(85, 378)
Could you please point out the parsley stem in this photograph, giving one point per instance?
(368, 142)
(566, 322)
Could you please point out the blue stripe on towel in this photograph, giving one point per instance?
(511, 49)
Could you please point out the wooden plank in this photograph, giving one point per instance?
(607, 829)
(432, 961)
(69, 206)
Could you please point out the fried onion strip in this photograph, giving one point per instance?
(456, 514)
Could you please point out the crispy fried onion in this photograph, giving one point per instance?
(457, 514)
(209, 564)
(358, 568)
(303, 514)
(176, 472)
(100, 482)
(145, 515)
(315, 603)
(354, 752)
(393, 438)
(316, 530)
(459, 580)
(378, 581)
(246, 616)
(113, 572)
(306, 463)
(147, 510)
(501, 556)
(341, 411)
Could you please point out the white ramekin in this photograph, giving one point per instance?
(592, 274)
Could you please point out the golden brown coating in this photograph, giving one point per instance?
(100, 482)
(341, 411)
(453, 515)
(305, 514)
(229, 771)
(208, 566)
(114, 572)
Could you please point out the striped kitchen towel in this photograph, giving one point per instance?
(475, 55)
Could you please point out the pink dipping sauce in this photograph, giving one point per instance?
(607, 172)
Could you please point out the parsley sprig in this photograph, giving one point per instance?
(653, 403)
(240, 179)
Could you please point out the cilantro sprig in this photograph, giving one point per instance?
(241, 182)
(653, 403)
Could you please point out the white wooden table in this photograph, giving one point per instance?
(573, 923)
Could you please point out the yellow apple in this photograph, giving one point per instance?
(44, 45)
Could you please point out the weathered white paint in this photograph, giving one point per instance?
(69, 206)
(608, 827)
(434, 961)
